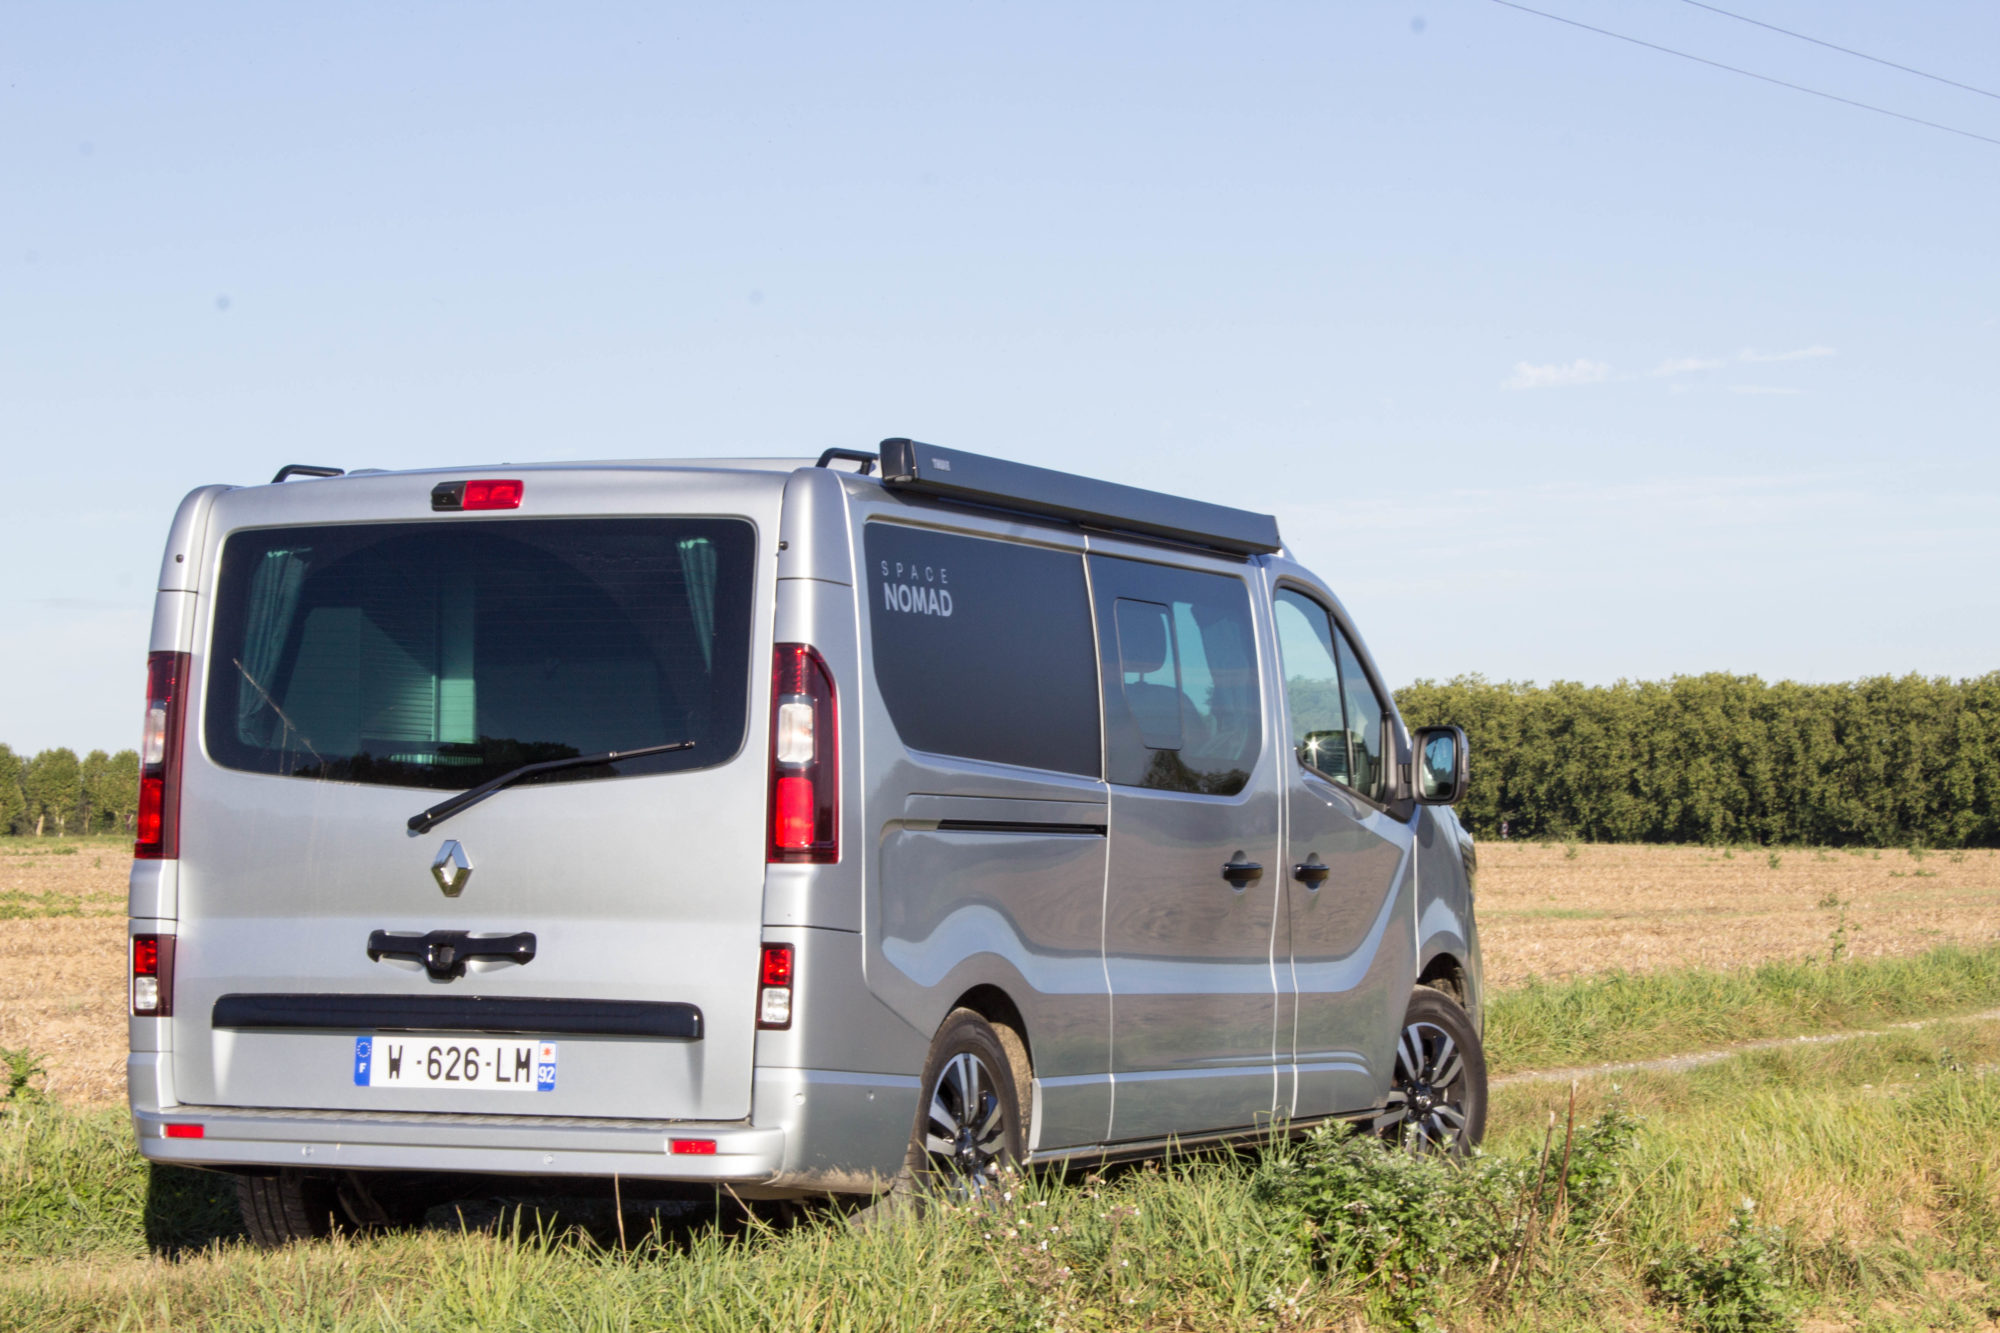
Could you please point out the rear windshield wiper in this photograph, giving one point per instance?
(443, 810)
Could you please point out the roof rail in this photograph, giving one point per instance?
(867, 460)
(953, 474)
(305, 470)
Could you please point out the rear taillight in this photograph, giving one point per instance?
(774, 987)
(805, 758)
(152, 976)
(158, 827)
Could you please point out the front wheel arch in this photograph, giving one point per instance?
(1438, 1085)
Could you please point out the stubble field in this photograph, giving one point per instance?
(1546, 910)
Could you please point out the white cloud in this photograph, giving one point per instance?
(1557, 376)
(1763, 388)
(1682, 365)
(1796, 354)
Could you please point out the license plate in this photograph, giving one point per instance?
(445, 1062)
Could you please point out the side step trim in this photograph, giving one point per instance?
(525, 1015)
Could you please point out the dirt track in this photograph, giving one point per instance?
(1541, 911)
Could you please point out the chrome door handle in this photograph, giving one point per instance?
(1312, 871)
(1242, 872)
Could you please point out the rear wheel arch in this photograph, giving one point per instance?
(998, 1008)
(1446, 973)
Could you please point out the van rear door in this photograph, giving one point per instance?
(581, 943)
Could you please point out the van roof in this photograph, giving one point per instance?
(955, 476)
(770, 464)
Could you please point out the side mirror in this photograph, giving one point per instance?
(1441, 770)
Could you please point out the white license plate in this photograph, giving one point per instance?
(453, 1062)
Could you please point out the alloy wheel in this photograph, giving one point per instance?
(965, 1128)
(1426, 1108)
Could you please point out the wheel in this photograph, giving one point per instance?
(969, 1123)
(291, 1205)
(1437, 1100)
(294, 1205)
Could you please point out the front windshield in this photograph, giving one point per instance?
(444, 654)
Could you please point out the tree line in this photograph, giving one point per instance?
(57, 793)
(1886, 761)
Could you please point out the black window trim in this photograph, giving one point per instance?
(1318, 597)
(755, 682)
(1251, 588)
(957, 519)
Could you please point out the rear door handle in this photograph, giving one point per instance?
(1241, 872)
(444, 953)
(1312, 871)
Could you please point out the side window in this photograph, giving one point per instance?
(983, 648)
(1312, 684)
(1364, 722)
(1181, 701)
(1336, 716)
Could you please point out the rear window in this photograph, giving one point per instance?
(445, 654)
(983, 649)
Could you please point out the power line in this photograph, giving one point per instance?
(1844, 50)
(1750, 74)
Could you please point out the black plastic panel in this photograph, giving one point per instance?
(459, 1013)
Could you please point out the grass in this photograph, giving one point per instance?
(1874, 1167)
(16, 905)
(1621, 1016)
(67, 845)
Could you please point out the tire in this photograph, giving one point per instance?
(969, 1126)
(1437, 1097)
(294, 1205)
(289, 1206)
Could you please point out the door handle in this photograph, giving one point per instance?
(1241, 872)
(444, 953)
(1312, 871)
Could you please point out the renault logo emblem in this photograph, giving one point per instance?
(451, 868)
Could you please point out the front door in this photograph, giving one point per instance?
(1346, 869)
(1193, 788)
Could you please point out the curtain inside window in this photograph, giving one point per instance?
(698, 565)
(274, 595)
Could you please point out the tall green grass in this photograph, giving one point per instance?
(1627, 1016)
(1872, 1165)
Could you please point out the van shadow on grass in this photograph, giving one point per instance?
(186, 1211)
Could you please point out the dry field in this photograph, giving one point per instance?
(1542, 912)
(1556, 911)
(62, 961)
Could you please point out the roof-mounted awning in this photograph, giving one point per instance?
(953, 474)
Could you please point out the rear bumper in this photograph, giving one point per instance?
(810, 1131)
(503, 1145)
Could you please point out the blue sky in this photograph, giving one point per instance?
(1558, 357)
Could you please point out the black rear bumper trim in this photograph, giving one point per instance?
(525, 1015)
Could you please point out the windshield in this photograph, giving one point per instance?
(445, 654)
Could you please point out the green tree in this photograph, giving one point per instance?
(1718, 758)
(90, 788)
(119, 795)
(13, 804)
(53, 785)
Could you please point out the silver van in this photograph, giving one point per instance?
(804, 828)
